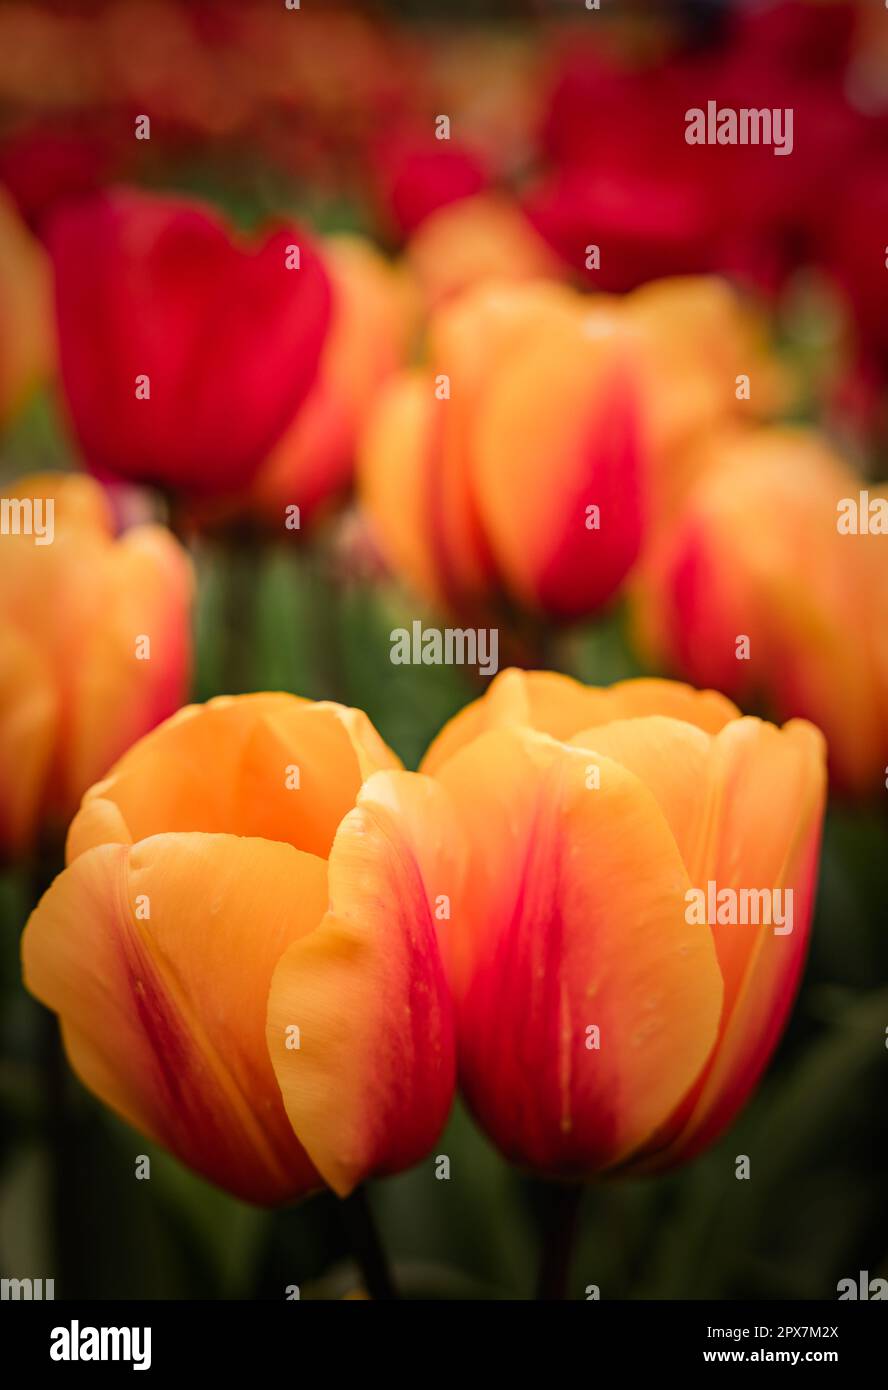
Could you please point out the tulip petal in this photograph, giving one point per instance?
(271, 765)
(707, 709)
(546, 701)
(393, 483)
(367, 341)
(671, 759)
(468, 343)
(28, 723)
(134, 667)
(573, 915)
(164, 1017)
(369, 1089)
(561, 706)
(565, 408)
(764, 803)
(98, 822)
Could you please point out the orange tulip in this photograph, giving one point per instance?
(26, 336)
(512, 466)
(241, 950)
(373, 315)
(94, 632)
(482, 473)
(757, 591)
(605, 1021)
(476, 239)
(707, 363)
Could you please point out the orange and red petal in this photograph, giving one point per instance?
(369, 1088)
(158, 959)
(763, 798)
(559, 468)
(572, 919)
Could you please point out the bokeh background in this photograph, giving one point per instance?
(563, 120)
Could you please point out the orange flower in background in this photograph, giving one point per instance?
(759, 589)
(708, 361)
(369, 338)
(483, 238)
(512, 465)
(241, 949)
(95, 646)
(185, 352)
(602, 1022)
(479, 474)
(26, 334)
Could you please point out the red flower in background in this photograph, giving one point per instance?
(185, 353)
(619, 174)
(47, 164)
(856, 252)
(416, 176)
(802, 37)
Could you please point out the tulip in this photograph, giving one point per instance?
(512, 466)
(369, 335)
(95, 641)
(855, 253)
(185, 353)
(755, 589)
(558, 404)
(601, 1025)
(708, 361)
(464, 243)
(241, 951)
(801, 37)
(45, 164)
(26, 339)
(656, 205)
(418, 175)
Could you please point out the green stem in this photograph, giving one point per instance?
(326, 584)
(367, 1247)
(239, 559)
(563, 1201)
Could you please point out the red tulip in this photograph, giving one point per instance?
(417, 177)
(185, 352)
(656, 205)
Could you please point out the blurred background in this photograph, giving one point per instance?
(566, 130)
